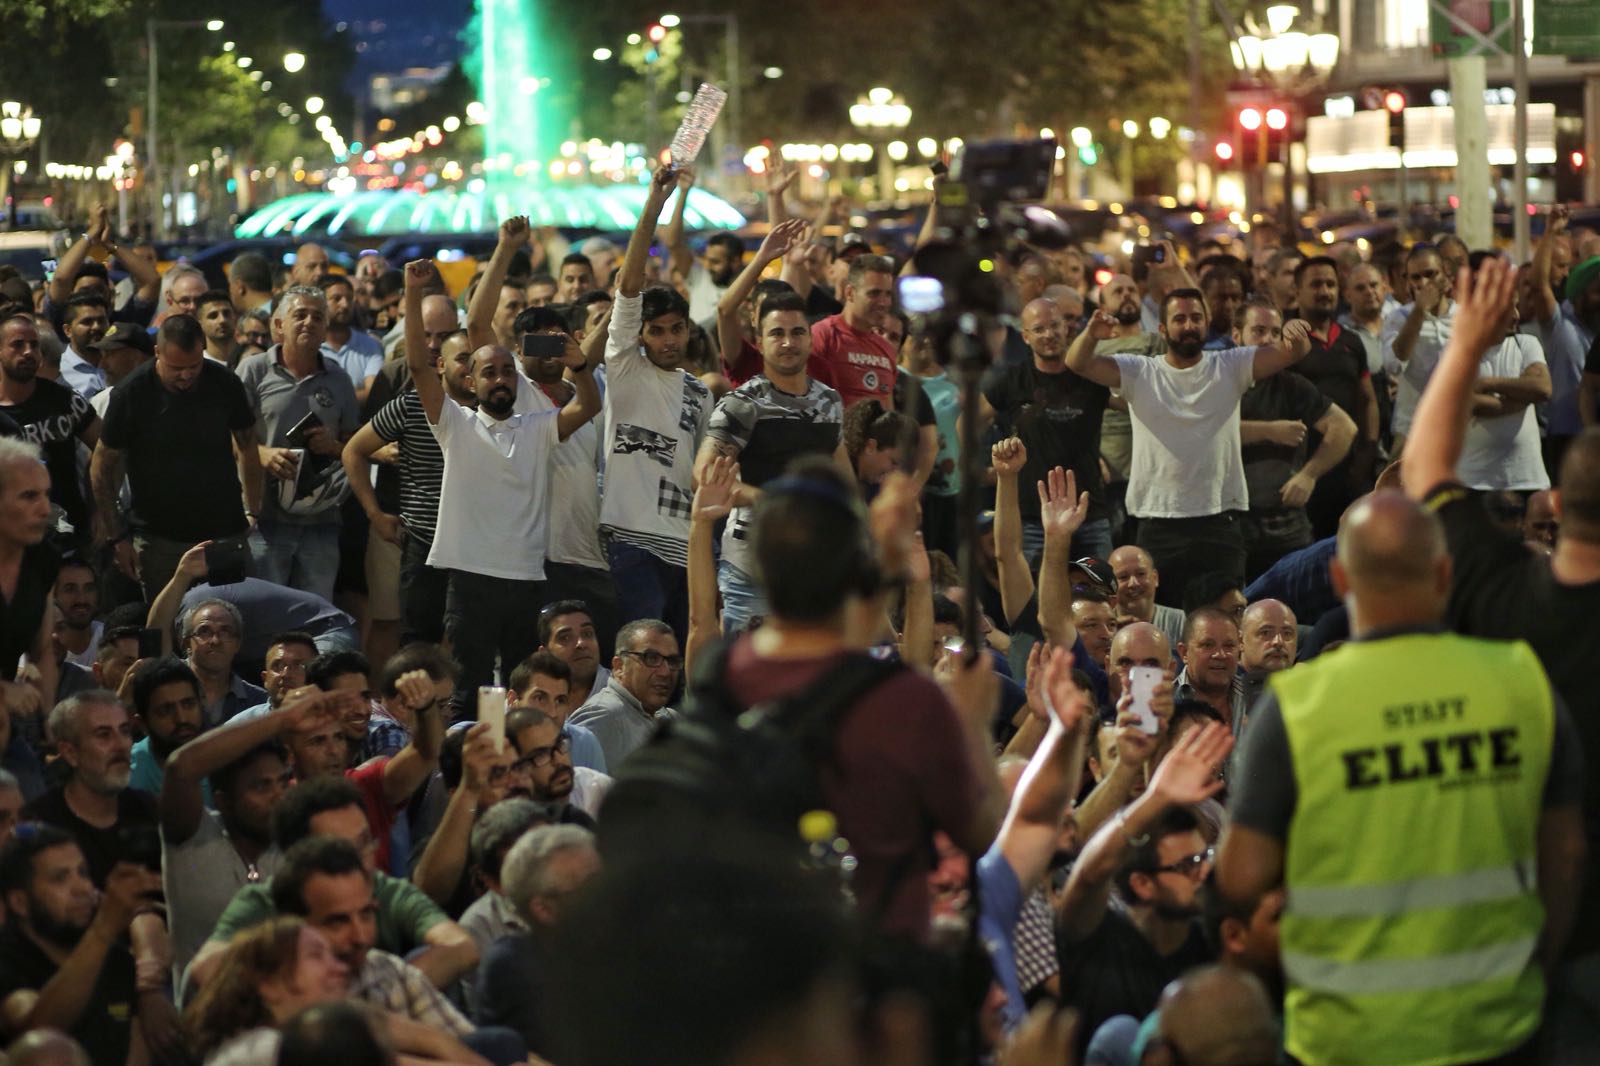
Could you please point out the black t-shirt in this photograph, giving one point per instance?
(1058, 418)
(52, 418)
(1115, 970)
(105, 1026)
(1337, 369)
(1283, 396)
(924, 412)
(102, 848)
(1500, 589)
(22, 614)
(179, 448)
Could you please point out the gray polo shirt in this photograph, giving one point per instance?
(617, 720)
(280, 401)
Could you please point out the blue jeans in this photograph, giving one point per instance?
(1093, 539)
(649, 587)
(742, 599)
(304, 557)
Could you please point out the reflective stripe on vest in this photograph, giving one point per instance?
(1412, 914)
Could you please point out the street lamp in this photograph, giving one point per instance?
(313, 105)
(294, 62)
(1292, 62)
(19, 129)
(882, 114)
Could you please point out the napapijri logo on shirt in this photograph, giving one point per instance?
(869, 380)
(322, 397)
(631, 439)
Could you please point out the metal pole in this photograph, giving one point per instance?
(1474, 221)
(735, 71)
(1519, 170)
(152, 175)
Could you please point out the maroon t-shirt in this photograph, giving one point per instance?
(860, 364)
(902, 770)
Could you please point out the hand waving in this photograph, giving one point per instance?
(514, 231)
(1062, 509)
(1189, 772)
(782, 239)
(713, 499)
(1482, 302)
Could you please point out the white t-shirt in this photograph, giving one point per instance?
(1414, 372)
(654, 422)
(1187, 460)
(1503, 452)
(494, 501)
(703, 293)
(575, 487)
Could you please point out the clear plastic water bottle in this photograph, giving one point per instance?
(828, 850)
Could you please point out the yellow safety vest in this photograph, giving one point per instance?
(1413, 915)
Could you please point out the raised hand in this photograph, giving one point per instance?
(192, 564)
(1556, 223)
(1483, 300)
(415, 688)
(1063, 699)
(1297, 336)
(478, 756)
(1008, 457)
(685, 178)
(779, 177)
(919, 568)
(1189, 772)
(1428, 296)
(1062, 508)
(1102, 326)
(894, 518)
(713, 499)
(782, 239)
(420, 273)
(514, 231)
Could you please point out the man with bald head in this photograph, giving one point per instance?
(1403, 790)
(1214, 1016)
(1269, 637)
(310, 263)
(1137, 582)
(501, 452)
(1500, 589)
(1057, 414)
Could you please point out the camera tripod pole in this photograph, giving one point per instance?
(968, 361)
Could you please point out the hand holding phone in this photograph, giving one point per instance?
(492, 712)
(1142, 682)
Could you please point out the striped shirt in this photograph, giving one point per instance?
(421, 462)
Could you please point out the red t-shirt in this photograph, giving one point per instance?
(860, 364)
(368, 777)
(901, 771)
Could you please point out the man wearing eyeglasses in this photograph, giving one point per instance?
(644, 674)
(545, 752)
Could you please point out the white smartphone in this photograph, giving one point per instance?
(1142, 682)
(492, 709)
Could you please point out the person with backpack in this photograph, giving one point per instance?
(884, 750)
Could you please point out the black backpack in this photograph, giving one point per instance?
(718, 768)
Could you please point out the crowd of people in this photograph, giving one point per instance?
(577, 671)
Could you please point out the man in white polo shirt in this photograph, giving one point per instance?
(494, 500)
(1186, 485)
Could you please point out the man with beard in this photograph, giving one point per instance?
(1337, 366)
(298, 534)
(1117, 954)
(1210, 674)
(544, 681)
(502, 451)
(77, 594)
(709, 278)
(310, 263)
(358, 353)
(656, 415)
(1187, 483)
(50, 414)
(644, 673)
(1120, 297)
(219, 322)
(166, 699)
(85, 320)
(283, 670)
(94, 736)
(210, 851)
(1270, 637)
(1057, 415)
(63, 960)
(420, 463)
(847, 351)
(774, 418)
(544, 746)
(1223, 287)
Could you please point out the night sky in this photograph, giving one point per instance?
(391, 35)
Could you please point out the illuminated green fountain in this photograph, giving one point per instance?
(529, 94)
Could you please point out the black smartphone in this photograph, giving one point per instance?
(149, 643)
(939, 168)
(226, 562)
(296, 437)
(543, 345)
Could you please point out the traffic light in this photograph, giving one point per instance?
(1252, 137)
(1577, 160)
(1277, 123)
(1394, 102)
(1224, 151)
(657, 32)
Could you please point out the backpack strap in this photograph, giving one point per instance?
(814, 714)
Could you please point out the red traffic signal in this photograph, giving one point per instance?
(1394, 101)
(1224, 150)
(656, 32)
(1277, 118)
(1577, 160)
(1250, 118)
